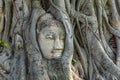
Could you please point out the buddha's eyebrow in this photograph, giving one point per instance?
(50, 32)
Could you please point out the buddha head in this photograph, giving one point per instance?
(51, 35)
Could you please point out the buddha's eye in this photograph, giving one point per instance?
(62, 36)
(50, 36)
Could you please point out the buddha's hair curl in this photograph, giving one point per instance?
(47, 21)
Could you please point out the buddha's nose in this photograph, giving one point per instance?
(57, 44)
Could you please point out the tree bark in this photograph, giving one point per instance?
(91, 44)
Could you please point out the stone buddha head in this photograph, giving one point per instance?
(51, 35)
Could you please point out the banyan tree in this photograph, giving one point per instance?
(59, 39)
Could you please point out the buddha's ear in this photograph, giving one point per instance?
(38, 28)
(38, 32)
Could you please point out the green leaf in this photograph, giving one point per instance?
(73, 61)
(3, 43)
(0, 41)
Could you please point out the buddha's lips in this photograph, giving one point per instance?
(56, 51)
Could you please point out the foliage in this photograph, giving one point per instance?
(73, 61)
(3, 43)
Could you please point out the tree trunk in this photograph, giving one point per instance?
(89, 51)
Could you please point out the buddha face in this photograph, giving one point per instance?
(51, 41)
